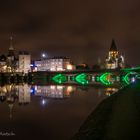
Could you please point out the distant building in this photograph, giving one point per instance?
(114, 60)
(54, 64)
(24, 62)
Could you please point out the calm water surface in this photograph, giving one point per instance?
(52, 112)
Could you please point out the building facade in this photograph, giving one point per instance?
(114, 60)
(24, 62)
(54, 64)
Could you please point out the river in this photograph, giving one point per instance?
(53, 112)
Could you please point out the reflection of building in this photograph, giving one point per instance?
(54, 91)
(22, 93)
(24, 96)
(54, 64)
(24, 62)
(110, 91)
(2, 96)
(114, 60)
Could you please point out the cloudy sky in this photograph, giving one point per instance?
(81, 29)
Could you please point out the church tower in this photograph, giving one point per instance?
(113, 56)
(113, 51)
(114, 60)
(11, 57)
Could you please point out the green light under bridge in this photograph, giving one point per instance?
(82, 79)
(105, 78)
(126, 78)
(60, 78)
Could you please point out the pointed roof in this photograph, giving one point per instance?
(113, 46)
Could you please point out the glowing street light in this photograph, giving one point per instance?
(43, 55)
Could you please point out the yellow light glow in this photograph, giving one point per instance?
(69, 89)
(69, 67)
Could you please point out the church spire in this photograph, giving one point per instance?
(11, 43)
(11, 48)
(113, 46)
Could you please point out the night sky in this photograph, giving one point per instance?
(80, 29)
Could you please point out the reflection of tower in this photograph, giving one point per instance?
(10, 101)
(24, 94)
(11, 109)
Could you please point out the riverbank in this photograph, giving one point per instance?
(116, 118)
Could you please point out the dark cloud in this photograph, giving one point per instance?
(82, 29)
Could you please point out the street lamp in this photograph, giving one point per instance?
(43, 61)
(43, 55)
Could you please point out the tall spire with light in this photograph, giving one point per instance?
(11, 43)
(11, 48)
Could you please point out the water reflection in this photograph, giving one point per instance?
(110, 91)
(46, 102)
(53, 91)
(22, 93)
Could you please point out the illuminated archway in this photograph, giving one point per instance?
(126, 78)
(82, 79)
(60, 78)
(105, 78)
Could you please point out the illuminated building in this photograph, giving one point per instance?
(24, 62)
(3, 65)
(114, 60)
(54, 64)
(13, 63)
